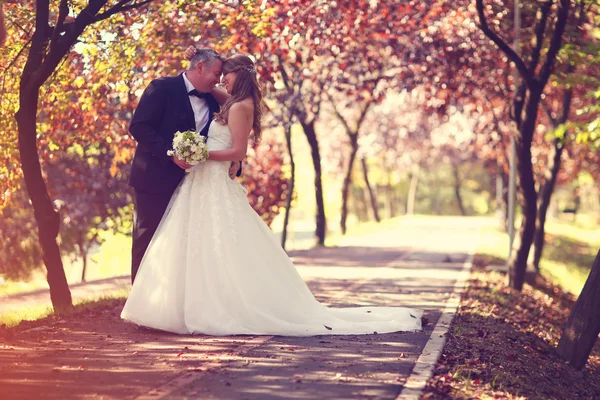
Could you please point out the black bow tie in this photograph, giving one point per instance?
(198, 94)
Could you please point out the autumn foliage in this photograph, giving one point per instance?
(323, 64)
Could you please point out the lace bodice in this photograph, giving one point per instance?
(219, 137)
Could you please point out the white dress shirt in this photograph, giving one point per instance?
(199, 106)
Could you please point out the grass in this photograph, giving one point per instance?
(13, 318)
(568, 254)
(111, 259)
(36, 281)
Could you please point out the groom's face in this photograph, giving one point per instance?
(209, 74)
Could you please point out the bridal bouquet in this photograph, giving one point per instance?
(190, 147)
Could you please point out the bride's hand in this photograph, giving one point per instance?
(189, 53)
(180, 163)
(234, 168)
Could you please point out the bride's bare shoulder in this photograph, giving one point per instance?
(245, 106)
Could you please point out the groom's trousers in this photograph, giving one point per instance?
(148, 211)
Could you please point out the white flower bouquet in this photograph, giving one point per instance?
(190, 147)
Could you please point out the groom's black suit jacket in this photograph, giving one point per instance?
(164, 109)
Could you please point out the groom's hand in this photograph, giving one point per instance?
(180, 163)
(233, 169)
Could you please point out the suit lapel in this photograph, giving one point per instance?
(187, 105)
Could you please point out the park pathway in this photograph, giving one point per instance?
(411, 262)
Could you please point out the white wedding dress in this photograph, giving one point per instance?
(214, 267)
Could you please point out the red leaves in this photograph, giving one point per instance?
(265, 179)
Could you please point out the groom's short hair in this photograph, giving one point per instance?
(203, 55)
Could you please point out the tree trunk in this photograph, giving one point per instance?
(391, 198)
(529, 93)
(49, 45)
(544, 201)
(412, 190)
(457, 181)
(436, 208)
(84, 259)
(290, 192)
(47, 218)
(372, 196)
(311, 136)
(363, 202)
(501, 198)
(551, 175)
(528, 195)
(505, 179)
(583, 326)
(348, 182)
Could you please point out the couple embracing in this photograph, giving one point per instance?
(203, 261)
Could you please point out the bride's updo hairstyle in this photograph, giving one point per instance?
(245, 86)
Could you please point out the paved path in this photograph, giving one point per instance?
(414, 262)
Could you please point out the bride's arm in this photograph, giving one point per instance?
(240, 125)
(189, 52)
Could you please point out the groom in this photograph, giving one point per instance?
(168, 105)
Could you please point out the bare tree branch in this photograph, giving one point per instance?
(363, 113)
(63, 11)
(121, 7)
(38, 42)
(340, 116)
(556, 41)
(540, 28)
(512, 55)
(519, 101)
(284, 75)
(549, 113)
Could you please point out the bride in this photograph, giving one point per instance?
(214, 267)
